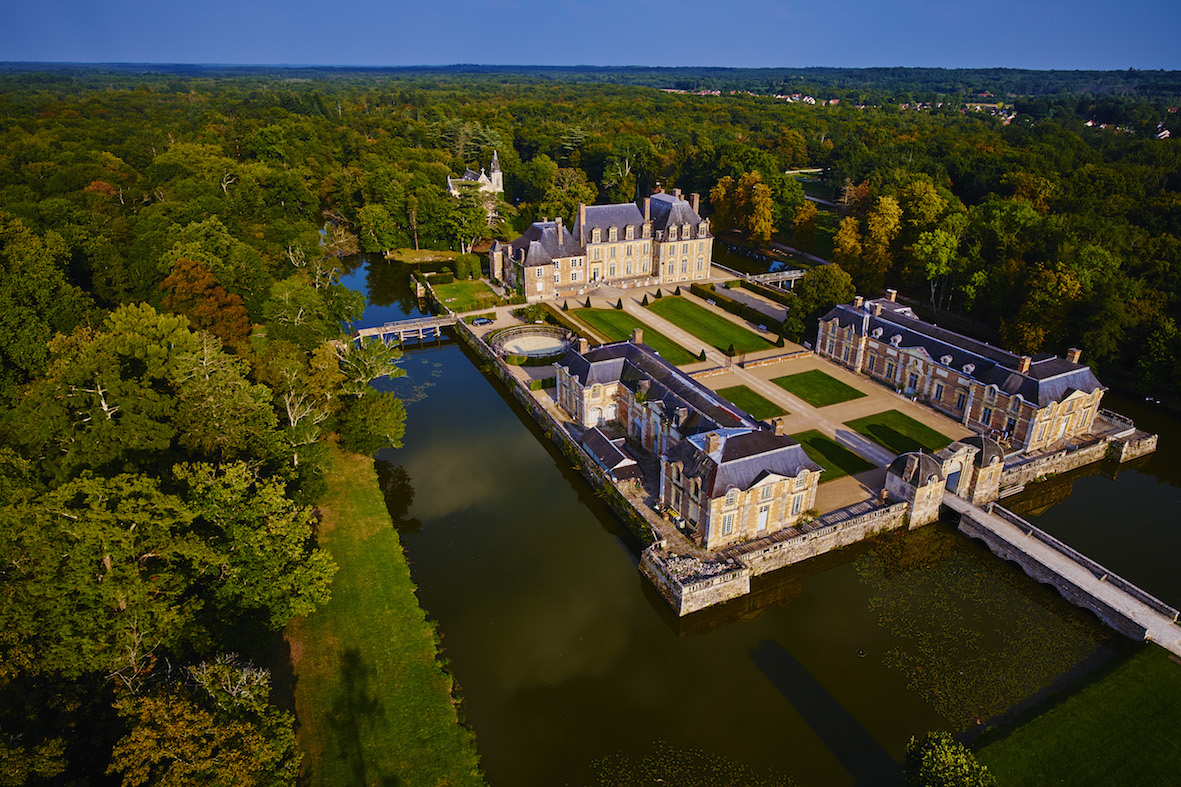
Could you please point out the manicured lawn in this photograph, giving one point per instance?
(466, 295)
(751, 402)
(899, 433)
(1121, 729)
(618, 326)
(836, 460)
(373, 705)
(817, 388)
(711, 328)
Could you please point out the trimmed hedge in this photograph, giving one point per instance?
(737, 308)
(545, 382)
(771, 293)
(528, 360)
(468, 318)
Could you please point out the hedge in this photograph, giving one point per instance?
(545, 382)
(737, 308)
(771, 293)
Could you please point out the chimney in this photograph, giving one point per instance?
(558, 221)
(1073, 354)
(713, 441)
(1023, 364)
(695, 201)
(677, 193)
(582, 223)
(892, 295)
(877, 310)
(781, 426)
(857, 301)
(583, 345)
(637, 336)
(647, 210)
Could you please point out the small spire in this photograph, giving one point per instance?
(495, 161)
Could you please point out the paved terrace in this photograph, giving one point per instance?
(1158, 620)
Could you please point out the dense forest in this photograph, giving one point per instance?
(170, 252)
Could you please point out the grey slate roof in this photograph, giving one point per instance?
(744, 457)
(540, 246)
(990, 450)
(1049, 379)
(609, 452)
(666, 209)
(603, 217)
(916, 468)
(693, 407)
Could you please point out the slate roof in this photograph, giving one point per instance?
(744, 456)
(1049, 379)
(916, 468)
(693, 407)
(990, 450)
(603, 217)
(666, 209)
(609, 453)
(539, 243)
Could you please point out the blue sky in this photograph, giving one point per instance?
(1069, 34)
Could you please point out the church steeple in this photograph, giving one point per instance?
(495, 162)
(495, 175)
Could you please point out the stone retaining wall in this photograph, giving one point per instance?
(1133, 447)
(688, 596)
(777, 358)
(1052, 464)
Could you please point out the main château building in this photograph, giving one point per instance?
(664, 242)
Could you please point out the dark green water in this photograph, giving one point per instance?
(572, 671)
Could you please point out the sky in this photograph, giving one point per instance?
(1041, 34)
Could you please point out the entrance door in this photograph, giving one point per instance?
(953, 477)
(763, 517)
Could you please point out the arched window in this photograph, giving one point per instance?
(731, 496)
(596, 235)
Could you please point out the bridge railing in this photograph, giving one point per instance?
(1096, 569)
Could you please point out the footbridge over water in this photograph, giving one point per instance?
(780, 279)
(1080, 580)
(415, 328)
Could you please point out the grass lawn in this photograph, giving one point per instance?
(836, 460)
(899, 433)
(817, 388)
(711, 328)
(466, 295)
(1121, 729)
(618, 325)
(373, 706)
(424, 255)
(752, 402)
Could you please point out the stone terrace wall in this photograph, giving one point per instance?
(689, 584)
(790, 546)
(1137, 445)
(1026, 471)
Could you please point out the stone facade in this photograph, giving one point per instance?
(665, 242)
(1027, 402)
(491, 182)
(917, 479)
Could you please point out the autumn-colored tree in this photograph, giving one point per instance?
(721, 196)
(805, 225)
(193, 292)
(881, 228)
(846, 244)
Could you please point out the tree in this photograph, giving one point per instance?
(362, 362)
(373, 422)
(214, 727)
(192, 290)
(805, 225)
(814, 293)
(846, 244)
(881, 227)
(569, 188)
(934, 251)
(938, 760)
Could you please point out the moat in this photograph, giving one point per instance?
(571, 666)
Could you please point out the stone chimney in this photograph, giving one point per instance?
(558, 221)
(857, 301)
(695, 201)
(677, 193)
(1074, 354)
(780, 426)
(1023, 364)
(647, 209)
(877, 310)
(583, 345)
(582, 223)
(637, 336)
(892, 295)
(713, 441)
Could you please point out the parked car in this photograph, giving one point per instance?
(481, 321)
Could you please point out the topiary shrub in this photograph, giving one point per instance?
(565, 308)
(659, 294)
(645, 301)
(677, 291)
(730, 349)
(588, 302)
(702, 356)
(619, 304)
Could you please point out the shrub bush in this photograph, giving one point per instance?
(588, 302)
(701, 357)
(546, 382)
(659, 294)
(645, 301)
(619, 304)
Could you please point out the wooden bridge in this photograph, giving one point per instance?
(415, 328)
(1080, 580)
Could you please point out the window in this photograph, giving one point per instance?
(597, 254)
(684, 248)
(540, 271)
(990, 394)
(702, 229)
(1041, 431)
(643, 266)
(801, 480)
(890, 369)
(797, 503)
(629, 248)
(629, 267)
(701, 245)
(611, 253)
(831, 346)
(540, 286)
(672, 233)
(612, 271)
(845, 354)
(557, 277)
(684, 266)
(731, 496)
(765, 494)
(700, 263)
(1011, 425)
(630, 233)
(573, 275)
(645, 248)
(986, 416)
(869, 364)
(727, 524)
(959, 400)
(912, 381)
(676, 474)
(612, 234)
(939, 392)
(596, 235)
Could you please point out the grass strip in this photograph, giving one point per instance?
(1121, 729)
(618, 325)
(711, 328)
(373, 703)
(836, 460)
(752, 402)
(899, 433)
(817, 388)
(466, 295)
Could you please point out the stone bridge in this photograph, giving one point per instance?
(1080, 580)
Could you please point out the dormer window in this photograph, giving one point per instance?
(876, 333)
(731, 496)
(612, 234)
(630, 232)
(647, 231)
(990, 393)
(672, 233)
(969, 368)
(945, 360)
(702, 230)
(685, 231)
(596, 235)
(896, 339)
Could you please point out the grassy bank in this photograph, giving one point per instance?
(373, 704)
(1121, 729)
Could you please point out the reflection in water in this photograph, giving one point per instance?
(399, 495)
